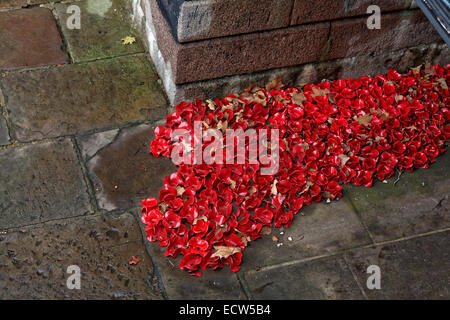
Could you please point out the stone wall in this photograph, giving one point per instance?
(208, 48)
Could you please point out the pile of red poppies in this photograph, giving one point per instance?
(344, 131)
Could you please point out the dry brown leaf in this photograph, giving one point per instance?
(266, 230)
(274, 190)
(416, 70)
(275, 239)
(163, 207)
(211, 105)
(202, 217)
(319, 92)
(225, 252)
(180, 190)
(443, 83)
(428, 70)
(399, 97)
(274, 84)
(343, 159)
(245, 238)
(364, 120)
(252, 190)
(298, 98)
(134, 261)
(232, 183)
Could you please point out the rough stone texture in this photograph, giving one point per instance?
(419, 202)
(212, 285)
(41, 182)
(226, 56)
(29, 37)
(103, 24)
(323, 10)
(33, 263)
(351, 37)
(319, 229)
(353, 67)
(8, 4)
(4, 133)
(123, 171)
(320, 279)
(413, 269)
(196, 20)
(81, 98)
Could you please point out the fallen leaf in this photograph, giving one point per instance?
(128, 40)
(180, 190)
(274, 84)
(211, 105)
(134, 261)
(274, 190)
(204, 218)
(319, 92)
(224, 252)
(443, 83)
(298, 98)
(266, 230)
(343, 159)
(364, 120)
(416, 70)
(274, 238)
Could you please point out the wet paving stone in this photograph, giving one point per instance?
(121, 167)
(319, 279)
(319, 229)
(419, 202)
(28, 38)
(34, 262)
(179, 284)
(80, 98)
(41, 182)
(103, 24)
(413, 269)
(4, 133)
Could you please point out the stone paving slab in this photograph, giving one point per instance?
(179, 284)
(320, 229)
(121, 167)
(33, 262)
(41, 182)
(103, 24)
(81, 98)
(319, 279)
(413, 269)
(4, 132)
(29, 38)
(418, 203)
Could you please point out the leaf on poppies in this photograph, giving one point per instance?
(245, 238)
(364, 120)
(273, 189)
(163, 207)
(266, 230)
(343, 159)
(134, 261)
(252, 190)
(222, 125)
(128, 40)
(224, 252)
(399, 97)
(298, 98)
(416, 70)
(275, 84)
(443, 83)
(211, 105)
(202, 217)
(382, 114)
(232, 183)
(180, 190)
(428, 70)
(319, 92)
